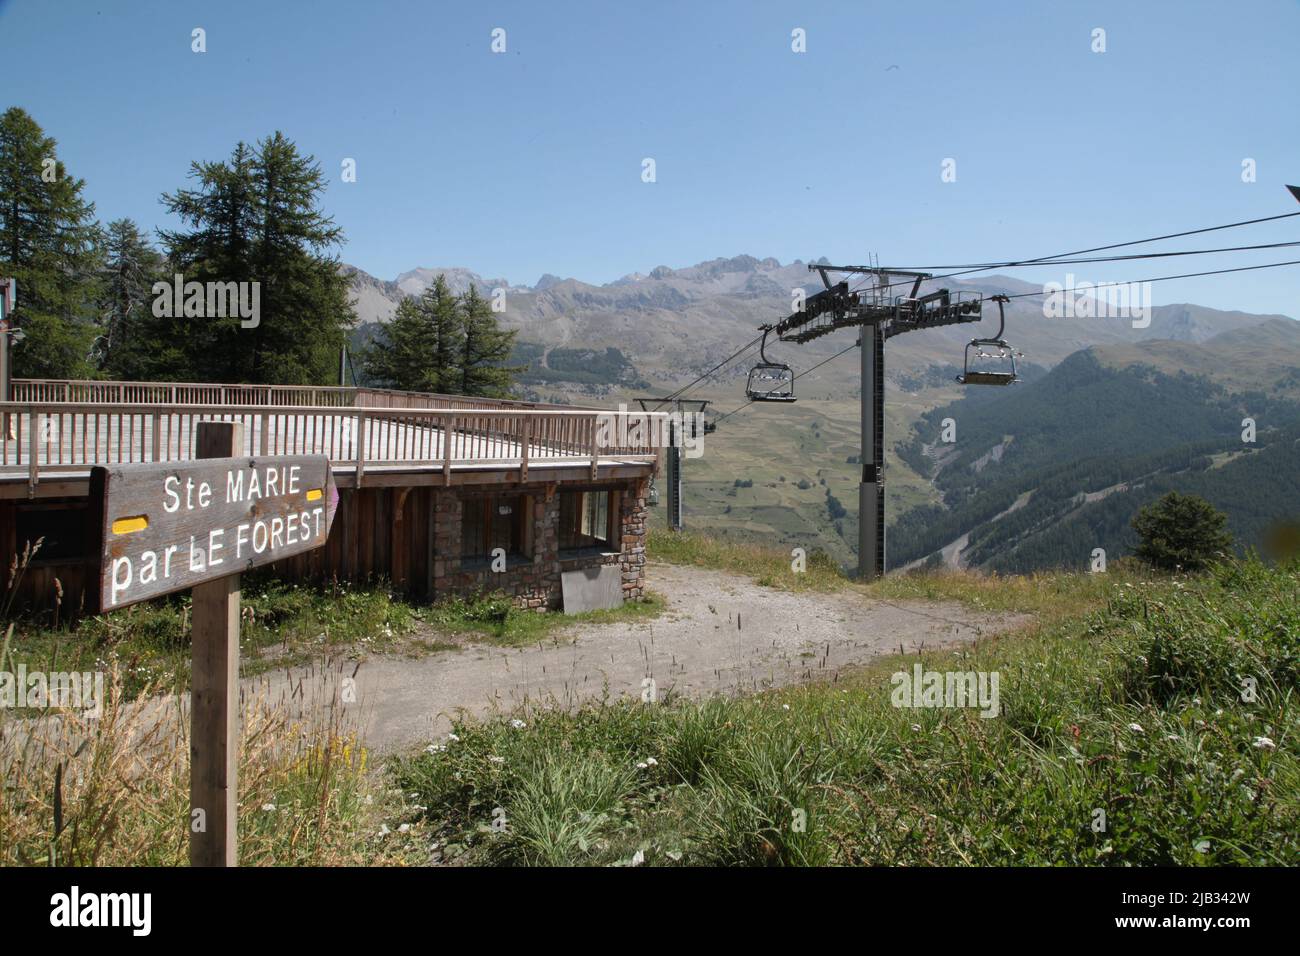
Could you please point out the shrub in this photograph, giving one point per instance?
(1181, 533)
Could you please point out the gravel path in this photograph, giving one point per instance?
(720, 633)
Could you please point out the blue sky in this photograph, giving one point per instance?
(530, 161)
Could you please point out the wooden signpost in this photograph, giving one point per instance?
(164, 527)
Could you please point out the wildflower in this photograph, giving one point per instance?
(404, 828)
(650, 761)
(453, 738)
(268, 808)
(638, 857)
(785, 706)
(518, 724)
(496, 759)
(435, 748)
(641, 766)
(1136, 728)
(1263, 743)
(917, 728)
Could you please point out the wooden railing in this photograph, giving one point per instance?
(192, 393)
(48, 438)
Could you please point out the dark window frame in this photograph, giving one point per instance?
(483, 509)
(570, 540)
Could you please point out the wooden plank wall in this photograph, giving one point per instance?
(378, 533)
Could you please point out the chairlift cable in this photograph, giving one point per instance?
(1139, 255)
(1185, 275)
(797, 376)
(740, 351)
(1081, 252)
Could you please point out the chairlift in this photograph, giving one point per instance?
(1004, 352)
(769, 381)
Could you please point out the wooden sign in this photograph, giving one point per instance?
(170, 526)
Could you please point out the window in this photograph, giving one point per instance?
(584, 520)
(62, 526)
(493, 521)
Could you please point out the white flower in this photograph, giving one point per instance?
(405, 827)
(785, 706)
(495, 759)
(1263, 743)
(640, 766)
(1136, 728)
(435, 748)
(650, 761)
(917, 728)
(268, 808)
(453, 738)
(518, 724)
(638, 858)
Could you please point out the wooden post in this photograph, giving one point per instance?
(214, 692)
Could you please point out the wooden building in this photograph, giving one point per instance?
(432, 488)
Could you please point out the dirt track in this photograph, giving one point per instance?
(720, 633)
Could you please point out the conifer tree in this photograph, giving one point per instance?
(48, 244)
(484, 349)
(419, 349)
(129, 346)
(254, 218)
(399, 356)
(1181, 533)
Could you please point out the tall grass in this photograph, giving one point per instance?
(1160, 728)
(114, 790)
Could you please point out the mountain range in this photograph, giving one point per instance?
(1108, 415)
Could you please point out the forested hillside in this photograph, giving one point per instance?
(1041, 475)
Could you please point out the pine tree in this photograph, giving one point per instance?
(444, 312)
(1181, 533)
(129, 346)
(419, 348)
(399, 355)
(48, 243)
(484, 349)
(255, 219)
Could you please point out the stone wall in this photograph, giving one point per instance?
(534, 582)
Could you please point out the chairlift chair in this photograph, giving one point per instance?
(769, 381)
(1005, 351)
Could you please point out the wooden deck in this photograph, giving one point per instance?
(48, 447)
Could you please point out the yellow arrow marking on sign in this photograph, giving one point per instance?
(128, 525)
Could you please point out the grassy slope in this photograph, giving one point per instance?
(1125, 699)
(810, 441)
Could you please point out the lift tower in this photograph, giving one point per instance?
(879, 315)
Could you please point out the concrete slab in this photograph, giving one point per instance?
(592, 589)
